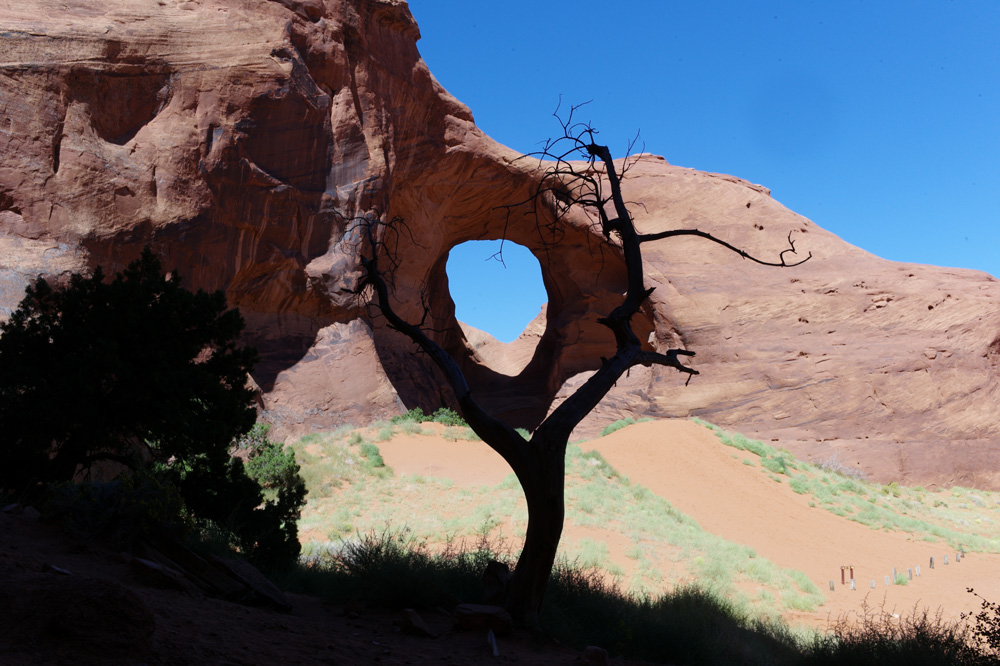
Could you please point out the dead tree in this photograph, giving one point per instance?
(593, 185)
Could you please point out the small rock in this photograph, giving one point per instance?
(594, 655)
(164, 577)
(495, 580)
(263, 589)
(414, 624)
(353, 608)
(481, 616)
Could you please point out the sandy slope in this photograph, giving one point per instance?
(687, 465)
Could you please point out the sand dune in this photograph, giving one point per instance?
(687, 465)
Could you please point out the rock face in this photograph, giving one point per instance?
(240, 140)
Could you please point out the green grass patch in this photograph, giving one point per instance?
(619, 424)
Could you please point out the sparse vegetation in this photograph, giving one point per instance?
(959, 517)
(691, 625)
(880, 637)
(598, 496)
(985, 626)
(619, 424)
(372, 455)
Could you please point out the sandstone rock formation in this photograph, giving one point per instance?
(239, 139)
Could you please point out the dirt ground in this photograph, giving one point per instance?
(687, 465)
(47, 580)
(52, 591)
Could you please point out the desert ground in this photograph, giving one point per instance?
(47, 614)
(686, 464)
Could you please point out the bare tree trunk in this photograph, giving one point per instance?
(545, 495)
(540, 464)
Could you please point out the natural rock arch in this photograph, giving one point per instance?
(497, 288)
(801, 354)
(571, 341)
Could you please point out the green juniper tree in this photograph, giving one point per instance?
(140, 372)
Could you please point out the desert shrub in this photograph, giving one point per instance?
(617, 425)
(391, 569)
(131, 370)
(596, 464)
(799, 484)
(689, 625)
(415, 415)
(372, 455)
(778, 462)
(891, 489)
(877, 637)
(985, 626)
(443, 415)
(250, 507)
(448, 417)
(276, 471)
(835, 465)
(120, 511)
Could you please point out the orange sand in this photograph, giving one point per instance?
(687, 465)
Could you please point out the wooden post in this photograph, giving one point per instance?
(909, 574)
(831, 586)
(932, 563)
(852, 584)
(886, 580)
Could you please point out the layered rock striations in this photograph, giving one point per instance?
(240, 139)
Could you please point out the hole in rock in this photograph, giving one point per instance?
(498, 298)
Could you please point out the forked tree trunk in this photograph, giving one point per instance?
(544, 492)
(540, 465)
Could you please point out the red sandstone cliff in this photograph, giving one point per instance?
(236, 137)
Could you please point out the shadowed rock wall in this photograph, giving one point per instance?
(239, 137)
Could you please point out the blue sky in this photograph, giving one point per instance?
(878, 120)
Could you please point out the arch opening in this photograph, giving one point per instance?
(499, 298)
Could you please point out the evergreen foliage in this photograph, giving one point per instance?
(139, 373)
(128, 370)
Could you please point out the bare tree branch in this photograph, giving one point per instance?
(579, 175)
(501, 437)
(669, 359)
(673, 233)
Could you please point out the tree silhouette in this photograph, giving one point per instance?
(132, 370)
(591, 185)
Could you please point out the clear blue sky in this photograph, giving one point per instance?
(878, 120)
